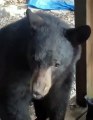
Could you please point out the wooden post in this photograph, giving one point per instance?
(90, 51)
(80, 19)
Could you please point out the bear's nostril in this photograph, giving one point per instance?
(36, 93)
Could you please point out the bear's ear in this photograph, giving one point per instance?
(78, 35)
(34, 19)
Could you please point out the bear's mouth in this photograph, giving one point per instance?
(37, 95)
(40, 92)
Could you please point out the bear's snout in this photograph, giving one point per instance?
(42, 83)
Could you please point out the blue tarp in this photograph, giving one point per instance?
(52, 4)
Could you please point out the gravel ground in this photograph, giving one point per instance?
(12, 10)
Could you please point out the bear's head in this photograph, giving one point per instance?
(56, 48)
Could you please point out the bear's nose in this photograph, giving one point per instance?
(37, 95)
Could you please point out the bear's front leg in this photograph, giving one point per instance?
(18, 99)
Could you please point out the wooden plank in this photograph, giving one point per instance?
(83, 117)
(74, 112)
(80, 19)
(90, 50)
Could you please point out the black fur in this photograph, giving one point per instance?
(26, 46)
(15, 73)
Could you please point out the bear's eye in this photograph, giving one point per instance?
(57, 64)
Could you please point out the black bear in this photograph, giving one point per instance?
(57, 52)
(37, 56)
